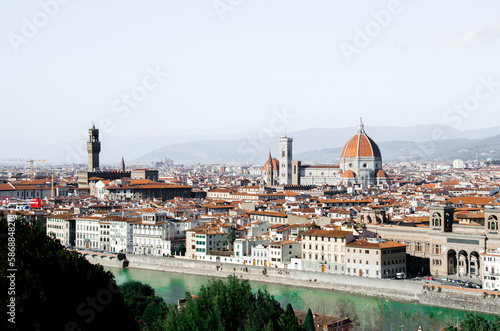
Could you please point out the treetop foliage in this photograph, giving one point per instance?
(475, 322)
(229, 305)
(56, 289)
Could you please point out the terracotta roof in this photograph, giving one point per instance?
(472, 200)
(283, 242)
(381, 174)
(349, 174)
(221, 190)
(6, 187)
(360, 145)
(325, 233)
(267, 213)
(276, 164)
(380, 245)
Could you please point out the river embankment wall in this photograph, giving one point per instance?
(395, 290)
(116, 261)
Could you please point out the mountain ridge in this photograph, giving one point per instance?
(417, 144)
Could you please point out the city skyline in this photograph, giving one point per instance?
(224, 69)
(335, 157)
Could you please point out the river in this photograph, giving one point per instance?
(372, 313)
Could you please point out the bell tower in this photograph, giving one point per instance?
(93, 148)
(285, 170)
(441, 218)
(270, 171)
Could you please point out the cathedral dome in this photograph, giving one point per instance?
(360, 145)
(276, 164)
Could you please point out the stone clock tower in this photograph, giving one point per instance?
(93, 148)
(285, 161)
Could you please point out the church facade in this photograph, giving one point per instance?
(360, 163)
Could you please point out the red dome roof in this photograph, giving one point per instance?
(276, 165)
(381, 174)
(360, 145)
(349, 174)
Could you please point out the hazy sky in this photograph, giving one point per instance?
(229, 66)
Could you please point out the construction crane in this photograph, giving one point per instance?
(31, 161)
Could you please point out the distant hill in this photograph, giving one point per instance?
(441, 150)
(318, 144)
(324, 146)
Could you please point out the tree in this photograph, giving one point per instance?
(231, 237)
(227, 305)
(155, 311)
(57, 289)
(308, 321)
(475, 322)
(181, 250)
(346, 308)
(145, 306)
(288, 320)
(135, 295)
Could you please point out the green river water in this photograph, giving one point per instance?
(372, 313)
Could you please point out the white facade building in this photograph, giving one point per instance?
(491, 271)
(87, 232)
(62, 227)
(121, 234)
(375, 258)
(150, 235)
(243, 246)
(324, 250)
(260, 255)
(104, 236)
(458, 164)
(281, 253)
(209, 240)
